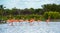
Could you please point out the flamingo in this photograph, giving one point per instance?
(30, 21)
(10, 21)
(16, 21)
(38, 21)
(27, 20)
(47, 20)
(21, 20)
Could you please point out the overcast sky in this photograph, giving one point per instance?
(27, 3)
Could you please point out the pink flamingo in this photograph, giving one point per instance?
(16, 20)
(30, 21)
(27, 20)
(10, 21)
(21, 20)
(38, 21)
(48, 19)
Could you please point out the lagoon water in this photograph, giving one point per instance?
(42, 27)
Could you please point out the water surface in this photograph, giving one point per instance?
(42, 27)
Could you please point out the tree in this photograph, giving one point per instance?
(1, 11)
(51, 7)
(38, 11)
(52, 15)
(15, 11)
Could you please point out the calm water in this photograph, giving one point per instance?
(42, 27)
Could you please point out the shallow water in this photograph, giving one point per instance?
(42, 27)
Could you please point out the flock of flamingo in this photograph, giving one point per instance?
(21, 20)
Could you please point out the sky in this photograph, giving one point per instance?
(26, 3)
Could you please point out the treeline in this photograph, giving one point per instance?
(47, 10)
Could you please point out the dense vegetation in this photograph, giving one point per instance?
(47, 10)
